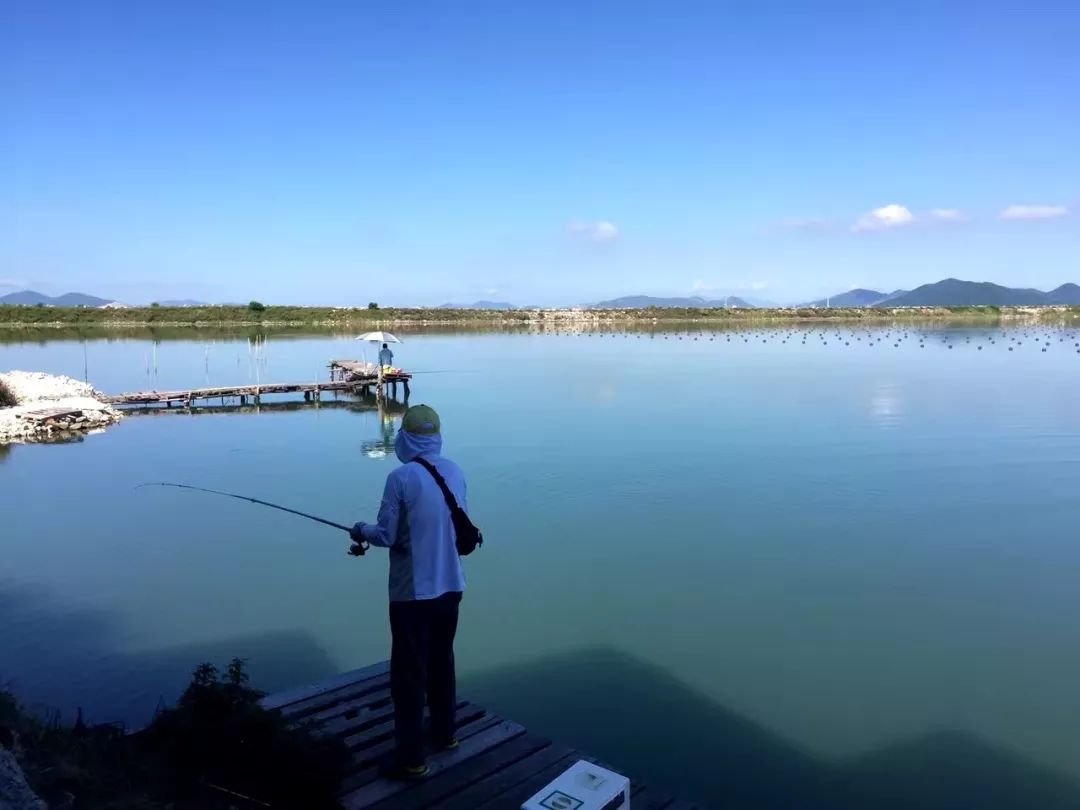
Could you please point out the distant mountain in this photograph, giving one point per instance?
(480, 305)
(854, 298)
(1065, 294)
(956, 293)
(182, 302)
(30, 298)
(25, 298)
(693, 302)
(80, 300)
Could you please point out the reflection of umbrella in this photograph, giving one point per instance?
(378, 337)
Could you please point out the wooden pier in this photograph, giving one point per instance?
(367, 375)
(498, 764)
(189, 396)
(346, 376)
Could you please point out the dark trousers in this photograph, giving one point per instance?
(422, 663)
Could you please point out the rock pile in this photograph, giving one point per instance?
(50, 408)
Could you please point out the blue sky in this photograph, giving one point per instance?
(536, 152)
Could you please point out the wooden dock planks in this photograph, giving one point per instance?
(345, 376)
(189, 395)
(357, 371)
(498, 763)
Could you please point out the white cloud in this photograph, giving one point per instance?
(491, 290)
(1034, 212)
(599, 232)
(888, 216)
(758, 285)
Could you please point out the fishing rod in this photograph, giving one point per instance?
(324, 521)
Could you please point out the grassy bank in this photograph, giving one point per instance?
(359, 319)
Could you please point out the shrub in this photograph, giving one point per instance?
(218, 733)
(372, 305)
(257, 306)
(7, 398)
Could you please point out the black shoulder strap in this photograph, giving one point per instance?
(451, 501)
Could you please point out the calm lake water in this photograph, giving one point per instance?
(768, 567)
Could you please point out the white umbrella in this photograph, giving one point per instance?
(378, 337)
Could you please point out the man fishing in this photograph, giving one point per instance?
(426, 582)
(386, 357)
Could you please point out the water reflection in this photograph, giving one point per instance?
(717, 756)
(390, 412)
(886, 405)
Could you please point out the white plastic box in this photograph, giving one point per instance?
(583, 786)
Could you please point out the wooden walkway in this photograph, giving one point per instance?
(348, 376)
(189, 396)
(359, 404)
(499, 764)
(358, 370)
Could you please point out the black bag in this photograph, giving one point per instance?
(466, 536)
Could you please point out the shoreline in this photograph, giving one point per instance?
(51, 408)
(320, 317)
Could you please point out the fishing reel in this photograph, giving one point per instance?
(358, 549)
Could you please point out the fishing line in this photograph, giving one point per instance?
(246, 498)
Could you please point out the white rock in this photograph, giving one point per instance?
(35, 391)
(35, 386)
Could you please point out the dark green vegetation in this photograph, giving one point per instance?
(257, 314)
(216, 739)
(693, 302)
(7, 398)
(253, 313)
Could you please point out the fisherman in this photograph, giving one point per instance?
(386, 357)
(426, 583)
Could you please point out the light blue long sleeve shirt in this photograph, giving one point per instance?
(415, 524)
(386, 357)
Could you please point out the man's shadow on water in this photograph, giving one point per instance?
(643, 720)
(54, 659)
